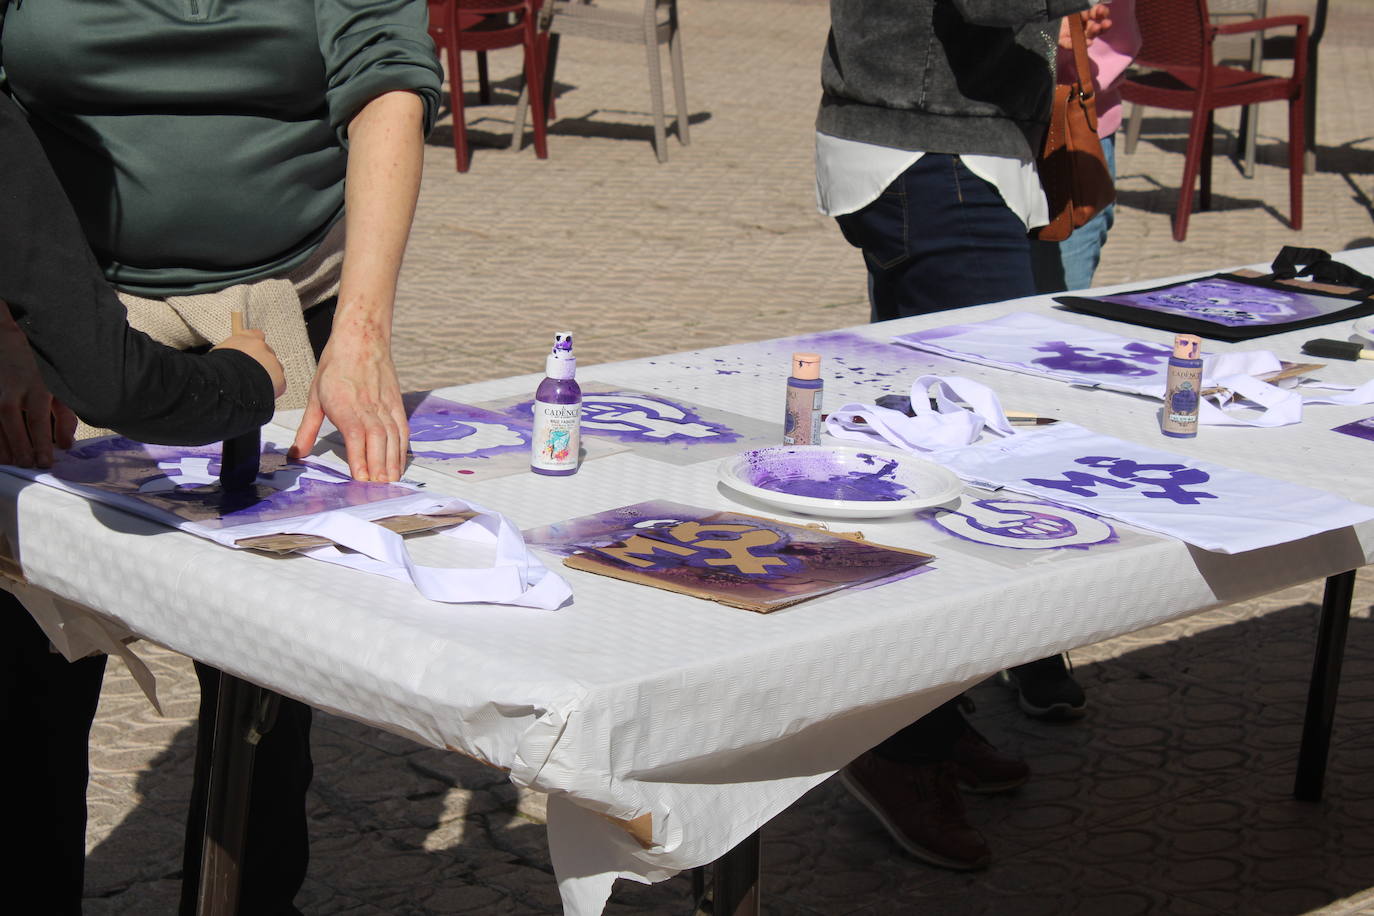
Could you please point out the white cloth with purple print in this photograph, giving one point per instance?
(1204, 504)
(1035, 345)
(1201, 503)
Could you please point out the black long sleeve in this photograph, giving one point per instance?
(109, 374)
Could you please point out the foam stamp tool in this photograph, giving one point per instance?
(241, 456)
(1337, 349)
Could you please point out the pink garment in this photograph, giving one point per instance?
(1111, 54)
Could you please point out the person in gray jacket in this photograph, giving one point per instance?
(926, 139)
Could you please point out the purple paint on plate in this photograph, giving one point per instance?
(1361, 429)
(819, 475)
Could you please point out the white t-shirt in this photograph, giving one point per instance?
(851, 174)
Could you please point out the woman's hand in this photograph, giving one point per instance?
(355, 386)
(32, 421)
(1096, 20)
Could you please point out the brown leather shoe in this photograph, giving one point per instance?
(980, 767)
(921, 807)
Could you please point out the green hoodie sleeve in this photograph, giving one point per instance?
(375, 46)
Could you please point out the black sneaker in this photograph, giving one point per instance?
(1046, 690)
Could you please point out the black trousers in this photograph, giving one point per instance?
(47, 705)
(46, 708)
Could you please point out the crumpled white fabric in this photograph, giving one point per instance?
(1017, 342)
(945, 425)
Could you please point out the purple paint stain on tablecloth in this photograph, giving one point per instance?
(1361, 429)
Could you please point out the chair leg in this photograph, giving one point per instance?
(1310, 111)
(679, 79)
(1208, 139)
(483, 79)
(656, 90)
(455, 94)
(1297, 132)
(534, 83)
(1133, 127)
(1191, 161)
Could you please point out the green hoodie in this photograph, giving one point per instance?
(202, 141)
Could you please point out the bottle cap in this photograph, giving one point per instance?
(561, 363)
(806, 365)
(1187, 346)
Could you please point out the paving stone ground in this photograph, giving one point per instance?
(1170, 797)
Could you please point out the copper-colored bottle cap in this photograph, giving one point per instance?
(806, 365)
(1187, 346)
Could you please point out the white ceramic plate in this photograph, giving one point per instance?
(1364, 329)
(839, 481)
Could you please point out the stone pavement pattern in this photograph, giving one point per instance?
(1171, 797)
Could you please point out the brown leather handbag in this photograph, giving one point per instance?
(1072, 169)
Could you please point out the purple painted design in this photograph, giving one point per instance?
(821, 476)
(182, 481)
(1170, 479)
(1231, 303)
(641, 418)
(1023, 525)
(444, 430)
(1135, 362)
(1361, 429)
(733, 557)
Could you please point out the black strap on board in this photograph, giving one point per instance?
(1303, 262)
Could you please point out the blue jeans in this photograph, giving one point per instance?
(1070, 264)
(939, 237)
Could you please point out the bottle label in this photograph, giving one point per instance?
(557, 436)
(802, 425)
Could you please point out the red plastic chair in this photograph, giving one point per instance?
(1177, 41)
(487, 25)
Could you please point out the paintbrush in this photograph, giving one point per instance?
(1014, 417)
(1336, 349)
(241, 456)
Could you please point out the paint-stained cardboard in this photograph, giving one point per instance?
(744, 561)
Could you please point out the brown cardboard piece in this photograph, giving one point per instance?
(839, 564)
(283, 544)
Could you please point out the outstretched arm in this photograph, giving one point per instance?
(355, 385)
(65, 338)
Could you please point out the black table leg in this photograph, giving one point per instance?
(735, 880)
(1321, 692)
(243, 714)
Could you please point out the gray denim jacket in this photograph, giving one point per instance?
(942, 76)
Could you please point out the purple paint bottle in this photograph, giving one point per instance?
(557, 410)
(802, 424)
(1183, 388)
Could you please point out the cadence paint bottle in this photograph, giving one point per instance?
(802, 425)
(1182, 390)
(557, 413)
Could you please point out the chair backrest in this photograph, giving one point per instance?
(1173, 33)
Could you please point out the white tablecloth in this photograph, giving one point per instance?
(634, 701)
